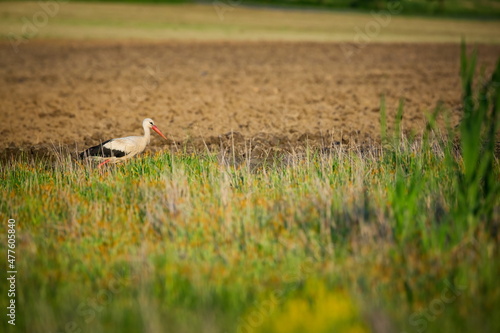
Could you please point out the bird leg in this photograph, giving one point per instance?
(106, 161)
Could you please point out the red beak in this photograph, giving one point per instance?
(159, 132)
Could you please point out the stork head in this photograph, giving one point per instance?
(149, 123)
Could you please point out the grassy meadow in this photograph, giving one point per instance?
(444, 8)
(401, 237)
(453, 8)
(23, 21)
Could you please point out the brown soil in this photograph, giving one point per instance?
(76, 94)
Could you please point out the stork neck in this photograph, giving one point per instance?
(147, 133)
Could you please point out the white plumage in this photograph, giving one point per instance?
(116, 150)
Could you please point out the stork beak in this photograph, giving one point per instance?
(157, 130)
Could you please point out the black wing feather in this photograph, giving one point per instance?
(102, 151)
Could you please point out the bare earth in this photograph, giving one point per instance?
(77, 93)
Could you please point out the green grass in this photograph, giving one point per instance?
(404, 237)
(453, 8)
(443, 8)
(215, 21)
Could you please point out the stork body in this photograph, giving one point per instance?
(117, 150)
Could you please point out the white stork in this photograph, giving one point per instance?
(116, 150)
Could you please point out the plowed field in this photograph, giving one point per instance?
(275, 93)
